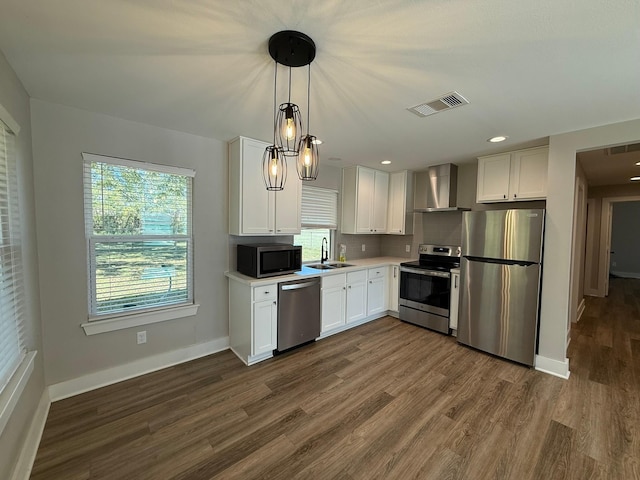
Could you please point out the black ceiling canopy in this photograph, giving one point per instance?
(291, 48)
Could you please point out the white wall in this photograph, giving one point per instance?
(15, 100)
(60, 135)
(556, 278)
(625, 239)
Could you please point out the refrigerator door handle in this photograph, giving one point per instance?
(499, 261)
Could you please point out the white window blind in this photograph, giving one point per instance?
(139, 235)
(319, 207)
(12, 306)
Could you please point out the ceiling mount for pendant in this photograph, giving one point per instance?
(291, 48)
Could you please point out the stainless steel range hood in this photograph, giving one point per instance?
(436, 189)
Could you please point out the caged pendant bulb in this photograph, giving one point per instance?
(290, 129)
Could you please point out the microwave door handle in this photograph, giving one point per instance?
(429, 273)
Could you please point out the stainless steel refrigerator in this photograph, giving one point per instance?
(500, 282)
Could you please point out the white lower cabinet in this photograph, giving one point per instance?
(394, 287)
(253, 320)
(264, 336)
(333, 302)
(349, 299)
(356, 296)
(377, 292)
(455, 298)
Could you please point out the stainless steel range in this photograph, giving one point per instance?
(425, 287)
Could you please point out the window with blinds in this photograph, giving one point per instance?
(319, 220)
(12, 349)
(319, 207)
(139, 236)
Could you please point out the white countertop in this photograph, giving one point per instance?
(312, 272)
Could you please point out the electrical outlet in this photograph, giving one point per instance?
(364, 247)
(141, 337)
(407, 248)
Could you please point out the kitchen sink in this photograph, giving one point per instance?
(328, 266)
(320, 266)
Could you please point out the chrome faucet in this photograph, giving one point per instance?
(324, 250)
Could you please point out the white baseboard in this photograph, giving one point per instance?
(553, 367)
(626, 274)
(117, 374)
(23, 467)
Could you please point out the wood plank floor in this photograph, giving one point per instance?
(386, 400)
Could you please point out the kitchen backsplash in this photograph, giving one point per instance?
(373, 245)
(442, 228)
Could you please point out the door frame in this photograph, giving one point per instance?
(605, 240)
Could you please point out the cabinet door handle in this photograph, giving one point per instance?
(514, 195)
(504, 196)
(279, 230)
(267, 292)
(349, 286)
(274, 302)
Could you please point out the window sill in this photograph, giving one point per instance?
(136, 319)
(11, 393)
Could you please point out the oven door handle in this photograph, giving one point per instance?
(429, 273)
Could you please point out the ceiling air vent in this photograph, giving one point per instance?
(634, 147)
(445, 102)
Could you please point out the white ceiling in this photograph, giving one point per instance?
(530, 69)
(610, 166)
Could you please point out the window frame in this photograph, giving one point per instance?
(323, 214)
(18, 373)
(117, 319)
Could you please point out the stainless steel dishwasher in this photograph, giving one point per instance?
(298, 312)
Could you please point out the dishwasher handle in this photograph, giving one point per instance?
(297, 286)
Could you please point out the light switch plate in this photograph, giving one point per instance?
(141, 337)
(364, 247)
(407, 248)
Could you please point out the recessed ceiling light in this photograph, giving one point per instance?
(317, 141)
(638, 163)
(498, 139)
(385, 162)
(635, 179)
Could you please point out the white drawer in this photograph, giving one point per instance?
(330, 281)
(355, 277)
(265, 292)
(377, 272)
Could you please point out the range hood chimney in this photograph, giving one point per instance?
(436, 189)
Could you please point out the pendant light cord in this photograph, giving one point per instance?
(289, 86)
(275, 103)
(308, 97)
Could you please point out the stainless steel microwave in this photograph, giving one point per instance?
(268, 259)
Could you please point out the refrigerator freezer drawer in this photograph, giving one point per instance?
(499, 309)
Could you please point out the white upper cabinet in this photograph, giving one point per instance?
(400, 221)
(513, 176)
(253, 210)
(364, 200)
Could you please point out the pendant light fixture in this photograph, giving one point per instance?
(289, 125)
(292, 49)
(308, 159)
(274, 165)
